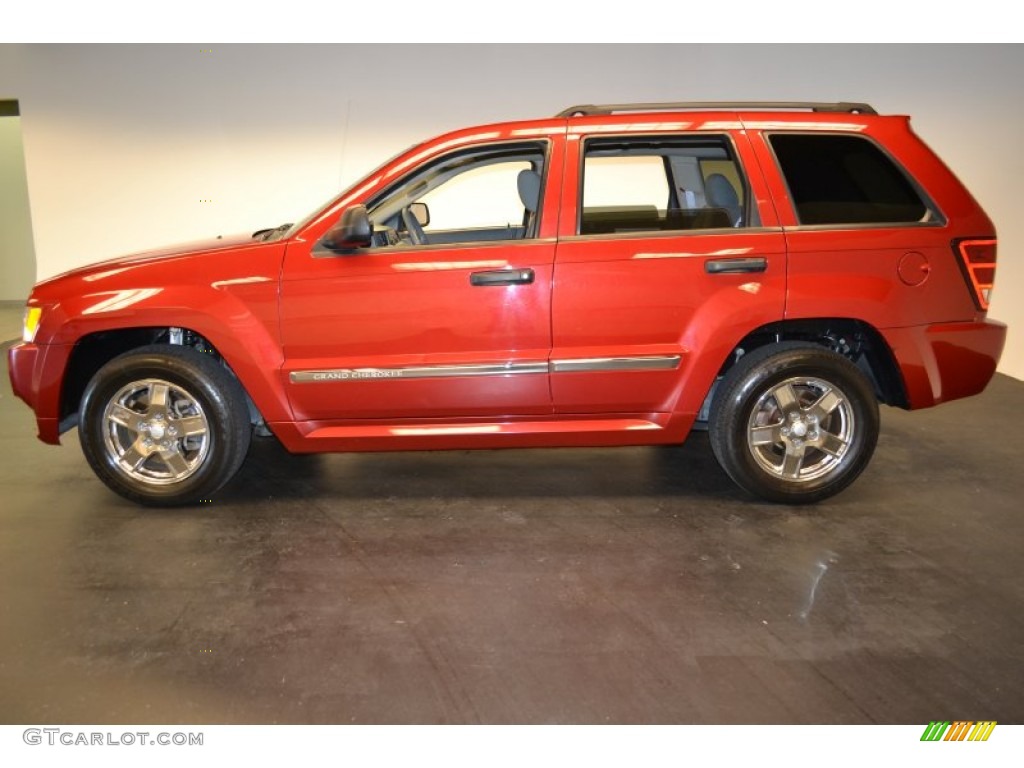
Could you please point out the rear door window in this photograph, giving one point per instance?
(652, 184)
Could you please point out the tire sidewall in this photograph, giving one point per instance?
(751, 379)
(196, 375)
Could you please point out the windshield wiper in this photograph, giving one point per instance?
(270, 234)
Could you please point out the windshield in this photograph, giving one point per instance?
(303, 223)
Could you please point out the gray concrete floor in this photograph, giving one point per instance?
(558, 586)
(11, 315)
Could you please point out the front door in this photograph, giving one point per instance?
(447, 314)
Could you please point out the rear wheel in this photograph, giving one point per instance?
(794, 423)
(164, 426)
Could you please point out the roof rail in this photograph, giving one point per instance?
(582, 110)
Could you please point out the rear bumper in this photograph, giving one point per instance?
(946, 361)
(36, 372)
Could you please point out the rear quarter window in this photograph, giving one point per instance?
(845, 180)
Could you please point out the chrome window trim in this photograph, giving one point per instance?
(673, 233)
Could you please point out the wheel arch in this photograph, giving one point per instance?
(858, 341)
(94, 350)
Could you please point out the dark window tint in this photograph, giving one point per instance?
(845, 180)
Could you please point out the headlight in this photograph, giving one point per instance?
(31, 325)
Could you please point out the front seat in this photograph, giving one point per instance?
(528, 183)
(720, 193)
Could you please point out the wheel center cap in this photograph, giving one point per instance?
(156, 430)
(799, 429)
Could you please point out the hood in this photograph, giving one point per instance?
(210, 245)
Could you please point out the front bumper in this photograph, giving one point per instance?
(36, 372)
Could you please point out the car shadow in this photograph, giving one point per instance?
(686, 470)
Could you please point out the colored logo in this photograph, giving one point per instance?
(958, 730)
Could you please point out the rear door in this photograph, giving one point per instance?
(668, 249)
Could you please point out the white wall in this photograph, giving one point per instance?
(125, 143)
(17, 255)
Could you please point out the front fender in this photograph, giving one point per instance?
(230, 298)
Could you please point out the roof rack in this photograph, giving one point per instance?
(582, 110)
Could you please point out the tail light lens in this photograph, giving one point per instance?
(978, 262)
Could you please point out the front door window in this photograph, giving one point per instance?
(472, 196)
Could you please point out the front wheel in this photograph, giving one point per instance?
(794, 423)
(164, 426)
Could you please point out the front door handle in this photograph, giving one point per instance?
(734, 266)
(502, 277)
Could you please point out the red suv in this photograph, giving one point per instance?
(614, 275)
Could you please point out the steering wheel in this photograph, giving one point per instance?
(412, 226)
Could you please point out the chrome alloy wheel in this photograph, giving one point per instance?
(155, 432)
(801, 428)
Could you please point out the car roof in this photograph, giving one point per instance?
(586, 110)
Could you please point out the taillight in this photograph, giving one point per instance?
(978, 261)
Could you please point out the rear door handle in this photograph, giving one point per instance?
(502, 277)
(734, 266)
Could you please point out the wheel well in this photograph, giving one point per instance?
(93, 351)
(855, 340)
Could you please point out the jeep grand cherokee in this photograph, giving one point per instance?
(613, 275)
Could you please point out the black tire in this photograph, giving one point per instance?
(779, 434)
(164, 425)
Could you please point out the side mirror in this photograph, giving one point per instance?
(421, 212)
(352, 231)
